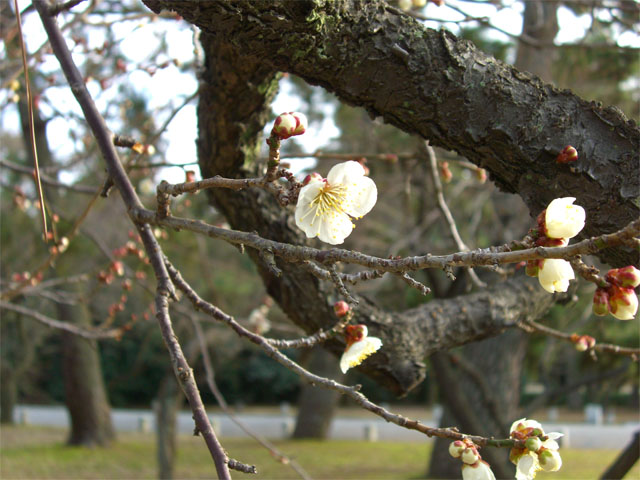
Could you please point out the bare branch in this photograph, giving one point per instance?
(68, 327)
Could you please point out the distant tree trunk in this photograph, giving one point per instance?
(535, 47)
(499, 363)
(18, 353)
(8, 395)
(316, 406)
(168, 403)
(85, 393)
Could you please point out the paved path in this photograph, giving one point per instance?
(278, 425)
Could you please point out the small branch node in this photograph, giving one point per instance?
(241, 467)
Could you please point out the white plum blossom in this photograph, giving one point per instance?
(563, 219)
(359, 347)
(478, 471)
(554, 275)
(528, 462)
(325, 206)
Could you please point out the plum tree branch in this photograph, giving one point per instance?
(506, 121)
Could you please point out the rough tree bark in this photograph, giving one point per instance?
(355, 49)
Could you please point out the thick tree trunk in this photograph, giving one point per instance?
(316, 406)
(504, 120)
(231, 112)
(85, 394)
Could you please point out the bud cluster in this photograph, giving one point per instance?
(618, 297)
(583, 342)
(540, 450)
(472, 464)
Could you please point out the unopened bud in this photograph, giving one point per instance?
(456, 448)
(341, 308)
(316, 177)
(567, 155)
(550, 460)
(190, 176)
(301, 123)
(470, 456)
(445, 173)
(626, 277)
(533, 444)
(481, 175)
(289, 124)
(623, 303)
(601, 302)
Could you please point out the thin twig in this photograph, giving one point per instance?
(530, 325)
(68, 327)
(46, 179)
(351, 392)
(32, 132)
(208, 367)
(446, 213)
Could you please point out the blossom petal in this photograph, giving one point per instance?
(306, 215)
(362, 195)
(355, 354)
(345, 173)
(527, 467)
(335, 229)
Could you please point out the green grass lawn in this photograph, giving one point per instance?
(39, 453)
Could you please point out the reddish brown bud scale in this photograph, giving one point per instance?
(341, 308)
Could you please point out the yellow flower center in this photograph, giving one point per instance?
(330, 200)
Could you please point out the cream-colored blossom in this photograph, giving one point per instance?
(356, 352)
(478, 471)
(325, 206)
(563, 219)
(554, 275)
(623, 303)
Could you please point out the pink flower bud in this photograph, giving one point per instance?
(626, 277)
(600, 302)
(623, 303)
(289, 124)
(445, 173)
(470, 456)
(481, 175)
(567, 155)
(301, 123)
(341, 308)
(316, 177)
(456, 448)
